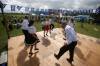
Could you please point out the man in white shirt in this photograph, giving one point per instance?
(70, 45)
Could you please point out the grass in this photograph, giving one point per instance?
(38, 26)
(3, 38)
(89, 29)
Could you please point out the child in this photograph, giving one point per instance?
(46, 27)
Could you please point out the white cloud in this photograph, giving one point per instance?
(67, 4)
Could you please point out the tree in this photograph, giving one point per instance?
(4, 20)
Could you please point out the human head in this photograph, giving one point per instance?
(26, 17)
(31, 22)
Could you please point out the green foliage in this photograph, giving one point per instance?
(3, 38)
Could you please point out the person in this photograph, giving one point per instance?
(63, 22)
(46, 27)
(71, 22)
(24, 26)
(72, 42)
(10, 26)
(31, 38)
(51, 24)
(43, 24)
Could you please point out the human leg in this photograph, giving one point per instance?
(62, 51)
(71, 51)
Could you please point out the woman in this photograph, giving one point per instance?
(32, 38)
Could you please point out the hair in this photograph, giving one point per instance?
(26, 17)
(31, 22)
(72, 20)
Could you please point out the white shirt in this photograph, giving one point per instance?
(31, 29)
(70, 34)
(25, 24)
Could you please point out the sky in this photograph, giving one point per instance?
(69, 4)
(56, 4)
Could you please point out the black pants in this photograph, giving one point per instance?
(25, 32)
(29, 38)
(51, 26)
(69, 47)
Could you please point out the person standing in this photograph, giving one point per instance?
(32, 38)
(24, 26)
(72, 42)
(46, 27)
(51, 24)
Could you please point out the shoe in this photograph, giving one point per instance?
(64, 38)
(70, 61)
(38, 41)
(56, 56)
(30, 54)
(46, 34)
(36, 49)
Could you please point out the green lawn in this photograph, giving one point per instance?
(89, 29)
(38, 26)
(3, 38)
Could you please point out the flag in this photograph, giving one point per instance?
(4, 5)
(19, 7)
(98, 10)
(12, 7)
(26, 8)
(32, 9)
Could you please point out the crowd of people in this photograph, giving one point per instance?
(31, 38)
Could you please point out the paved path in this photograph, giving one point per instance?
(87, 52)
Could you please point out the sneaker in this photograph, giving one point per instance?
(30, 54)
(38, 41)
(47, 34)
(56, 56)
(70, 61)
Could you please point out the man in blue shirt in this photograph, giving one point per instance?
(69, 45)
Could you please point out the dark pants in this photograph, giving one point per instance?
(29, 38)
(69, 47)
(51, 26)
(25, 32)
